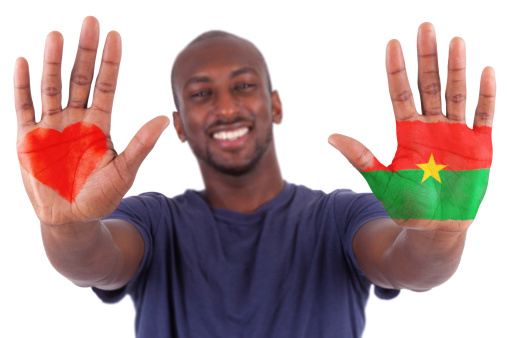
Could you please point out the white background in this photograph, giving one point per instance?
(327, 61)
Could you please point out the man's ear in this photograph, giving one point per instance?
(179, 126)
(276, 108)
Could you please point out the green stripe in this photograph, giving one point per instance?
(404, 196)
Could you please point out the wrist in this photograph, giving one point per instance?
(70, 235)
(438, 227)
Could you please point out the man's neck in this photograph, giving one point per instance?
(244, 193)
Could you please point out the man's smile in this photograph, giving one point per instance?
(230, 135)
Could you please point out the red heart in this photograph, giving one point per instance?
(63, 161)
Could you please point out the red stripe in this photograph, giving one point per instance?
(452, 144)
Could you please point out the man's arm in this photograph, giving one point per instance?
(71, 172)
(105, 254)
(436, 182)
(394, 257)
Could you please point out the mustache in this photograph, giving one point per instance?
(225, 121)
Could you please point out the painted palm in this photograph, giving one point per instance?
(439, 172)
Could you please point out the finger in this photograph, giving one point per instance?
(355, 152)
(105, 85)
(128, 162)
(22, 96)
(399, 87)
(428, 78)
(456, 90)
(51, 88)
(486, 105)
(82, 72)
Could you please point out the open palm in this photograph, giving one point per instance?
(70, 169)
(440, 171)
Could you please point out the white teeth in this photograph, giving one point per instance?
(230, 135)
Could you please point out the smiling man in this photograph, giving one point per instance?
(251, 255)
(226, 111)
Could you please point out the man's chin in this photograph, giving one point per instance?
(233, 170)
(237, 165)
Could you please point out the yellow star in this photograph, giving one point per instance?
(431, 169)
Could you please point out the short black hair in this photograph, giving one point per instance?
(211, 35)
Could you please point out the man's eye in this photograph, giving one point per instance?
(201, 94)
(243, 86)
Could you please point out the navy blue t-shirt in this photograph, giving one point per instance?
(286, 270)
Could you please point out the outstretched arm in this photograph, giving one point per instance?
(436, 182)
(71, 172)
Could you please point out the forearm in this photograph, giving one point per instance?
(422, 259)
(85, 253)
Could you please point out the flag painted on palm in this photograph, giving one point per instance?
(440, 171)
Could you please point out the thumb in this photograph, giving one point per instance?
(357, 154)
(143, 142)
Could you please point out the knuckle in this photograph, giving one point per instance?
(432, 110)
(105, 87)
(24, 106)
(482, 115)
(396, 71)
(403, 96)
(52, 64)
(457, 82)
(21, 88)
(80, 79)
(50, 112)
(51, 91)
(364, 159)
(457, 98)
(431, 71)
(100, 109)
(486, 96)
(86, 49)
(456, 69)
(456, 117)
(431, 89)
(111, 63)
(78, 103)
(428, 55)
(141, 144)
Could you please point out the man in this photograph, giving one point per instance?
(251, 255)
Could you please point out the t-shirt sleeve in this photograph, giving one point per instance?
(354, 210)
(143, 212)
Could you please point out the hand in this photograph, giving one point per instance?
(439, 174)
(70, 169)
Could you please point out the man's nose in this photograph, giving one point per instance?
(226, 104)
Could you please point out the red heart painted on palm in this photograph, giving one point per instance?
(63, 161)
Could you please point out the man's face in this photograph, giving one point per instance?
(225, 107)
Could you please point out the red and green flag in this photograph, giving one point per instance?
(440, 171)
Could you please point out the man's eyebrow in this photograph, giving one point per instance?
(206, 79)
(243, 70)
(197, 79)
